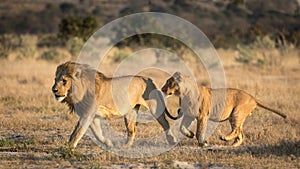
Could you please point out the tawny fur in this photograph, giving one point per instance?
(196, 103)
(88, 93)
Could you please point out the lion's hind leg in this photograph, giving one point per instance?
(238, 141)
(235, 131)
(130, 123)
(236, 120)
(97, 131)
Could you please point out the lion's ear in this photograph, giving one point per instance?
(177, 73)
(77, 73)
(177, 76)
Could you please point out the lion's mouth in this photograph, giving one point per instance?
(165, 95)
(168, 93)
(59, 98)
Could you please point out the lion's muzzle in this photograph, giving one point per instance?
(54, 89)
(58, 97)
(166, 91)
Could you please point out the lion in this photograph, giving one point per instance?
(196, 103)
(89, 93)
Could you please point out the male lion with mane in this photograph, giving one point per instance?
(89, 93)
(196, 103)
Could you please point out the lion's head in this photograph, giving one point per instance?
(72, 81)
(172, 85)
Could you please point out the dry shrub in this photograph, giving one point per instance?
(264, 51)
(121, 54)
(8, 43)
(23, 45)
(27, 47)
(74, 45)
(53, 55)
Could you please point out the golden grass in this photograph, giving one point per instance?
(35, 126)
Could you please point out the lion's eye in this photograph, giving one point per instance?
(64, 81)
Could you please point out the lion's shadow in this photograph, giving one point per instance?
(284, 148)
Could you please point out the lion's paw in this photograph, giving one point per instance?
(109, 144)
(171, 139)
(190, 134)
(127, 145)
(223, 138)
(203, 144)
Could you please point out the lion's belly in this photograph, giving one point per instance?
(108, 112)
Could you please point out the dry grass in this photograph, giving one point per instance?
(35, 128)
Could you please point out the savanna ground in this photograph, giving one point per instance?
(34, 128)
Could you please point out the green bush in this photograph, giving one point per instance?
(75, 26)
(74, 45)
(27, 47)
(52, 55)
(246, 54)
(119, 55)
(49, 41)
(8, 43)
(262, 52)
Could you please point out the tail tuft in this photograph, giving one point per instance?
(172, 117)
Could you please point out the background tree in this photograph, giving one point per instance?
(74, 26)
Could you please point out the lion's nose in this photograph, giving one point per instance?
(54, 89)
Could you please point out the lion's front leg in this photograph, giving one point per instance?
(79, 131)
(97, 131)
(185, 124)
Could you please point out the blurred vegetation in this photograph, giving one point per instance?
(8, 43)
(67, 152)
(224, 22)
(74, 45)
(17, 145)
(52, 55)
(73, 26)
(27, 46)
(120, 55)
(264, 51)
(237, 24)
(24, 44)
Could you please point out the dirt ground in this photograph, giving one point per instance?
(34, 128)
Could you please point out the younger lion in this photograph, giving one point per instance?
(90, 94)
(196, 104)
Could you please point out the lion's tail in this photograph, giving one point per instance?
(265, 106)
(169, 114)
(172, 117)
